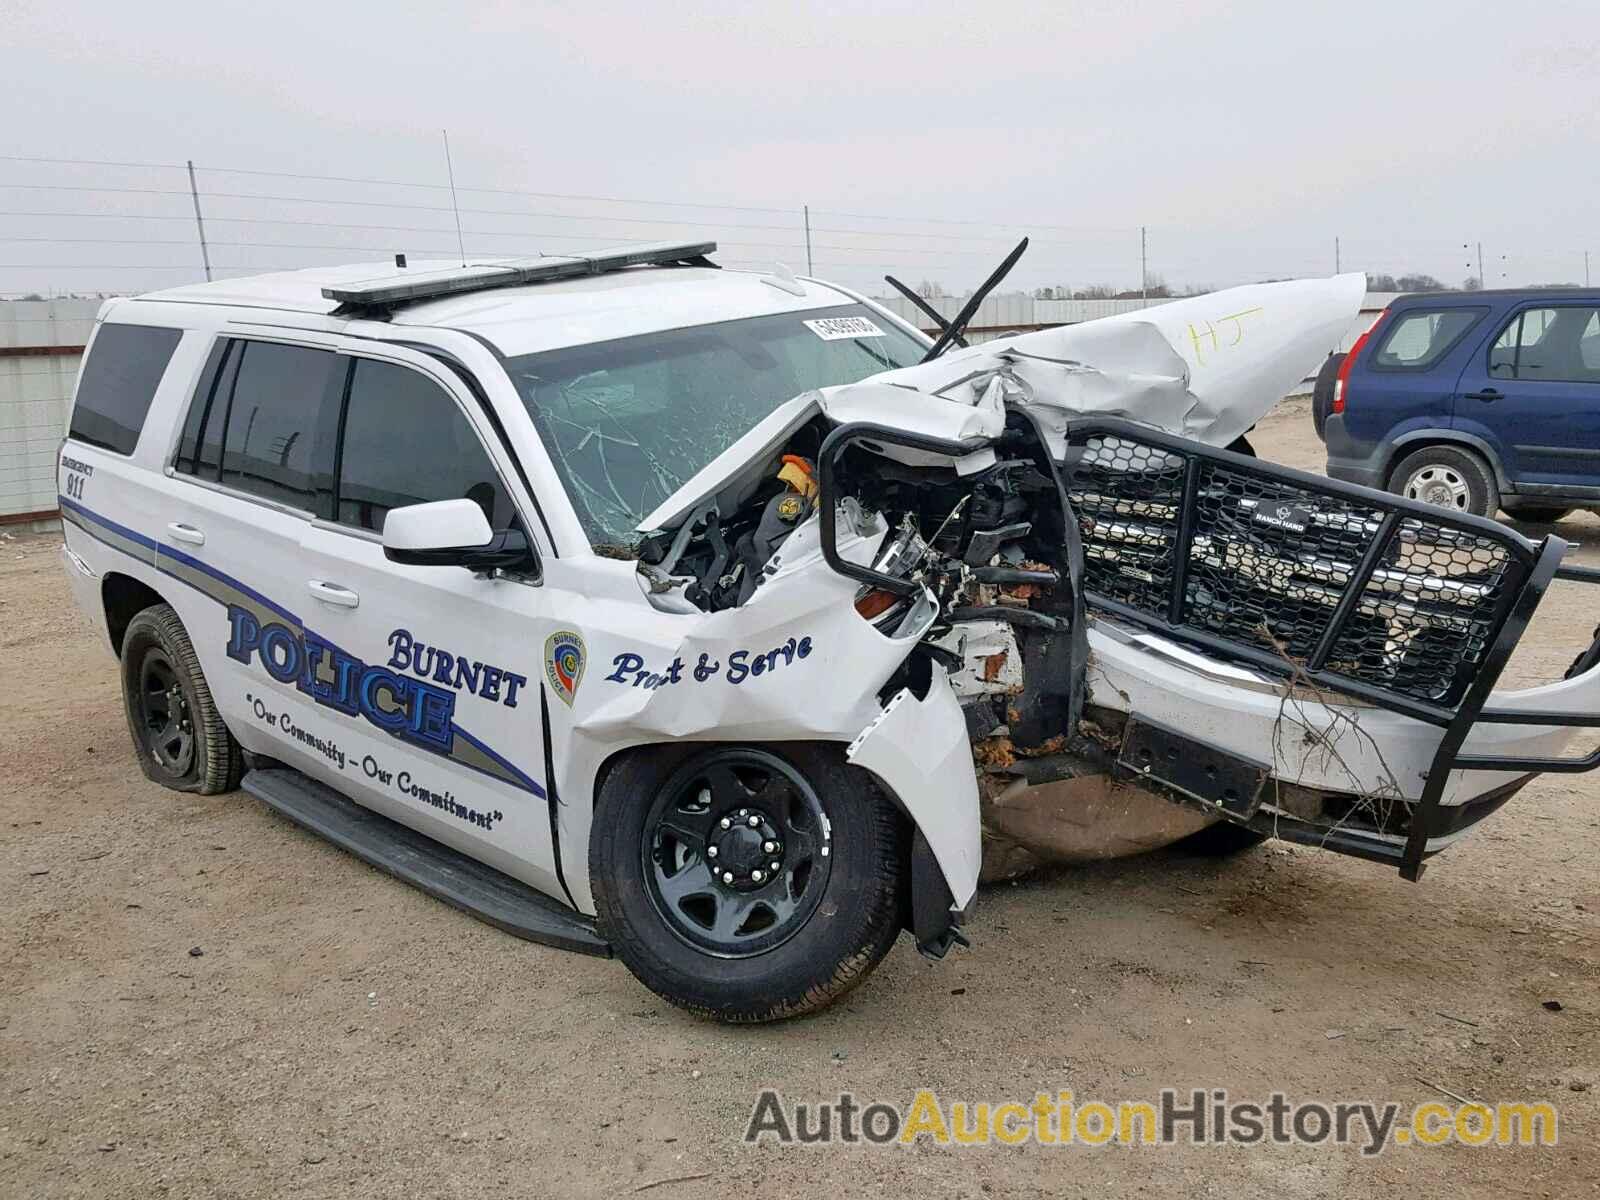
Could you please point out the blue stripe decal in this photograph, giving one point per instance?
(519, 777)
(163, 551)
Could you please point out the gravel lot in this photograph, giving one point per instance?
(197, 998)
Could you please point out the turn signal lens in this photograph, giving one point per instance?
(875, 603)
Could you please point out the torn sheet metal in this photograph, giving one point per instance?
(918, 748)
(1206, 368)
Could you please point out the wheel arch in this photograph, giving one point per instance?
(1421, 439)
(124, 598)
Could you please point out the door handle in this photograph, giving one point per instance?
(332, 593)
(1486, 394)
(186, 533)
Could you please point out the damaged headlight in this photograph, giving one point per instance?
(901, 555)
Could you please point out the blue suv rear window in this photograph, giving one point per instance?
(1420, 337)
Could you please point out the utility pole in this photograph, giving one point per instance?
(1585, 268)
(1144, 267)
(810, 270)
(199, 222)
(1336, 256)
(1482, 282)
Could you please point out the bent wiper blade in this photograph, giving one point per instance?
(928, 310)
(954, 329)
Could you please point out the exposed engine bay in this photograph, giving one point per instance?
(993, 549)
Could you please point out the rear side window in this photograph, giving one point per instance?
(119, 381)
(257, 421)
(1559, 345)
(406, 441)
(1421, 337)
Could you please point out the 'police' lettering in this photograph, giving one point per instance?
(411, 709)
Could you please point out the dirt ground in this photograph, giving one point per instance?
(199, 999)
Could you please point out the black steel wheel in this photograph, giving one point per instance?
(737, 851)
(178, 734)
(746, 883)
(163, 714)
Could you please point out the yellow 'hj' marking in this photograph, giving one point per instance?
(1198, 336)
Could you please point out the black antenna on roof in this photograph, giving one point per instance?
(928, 310)
(456, 208)
(953, 330)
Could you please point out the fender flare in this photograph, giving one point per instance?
(1447, 437)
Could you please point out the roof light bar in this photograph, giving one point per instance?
(428, 285)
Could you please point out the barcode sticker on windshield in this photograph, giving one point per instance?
(833, 329)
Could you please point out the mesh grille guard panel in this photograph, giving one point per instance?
(1372, 594)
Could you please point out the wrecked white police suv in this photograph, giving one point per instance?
(716, 620)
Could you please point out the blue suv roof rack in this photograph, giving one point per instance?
(366, 297)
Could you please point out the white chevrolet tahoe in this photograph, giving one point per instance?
(710, 618)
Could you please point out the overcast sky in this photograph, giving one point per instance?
(1246, 135)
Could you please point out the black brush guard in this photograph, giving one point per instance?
(1401, 604)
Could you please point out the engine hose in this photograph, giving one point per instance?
(1015, 575)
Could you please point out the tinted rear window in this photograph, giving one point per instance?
(1423, 336)
(119, 381)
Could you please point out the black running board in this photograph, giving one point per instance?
(492, 896)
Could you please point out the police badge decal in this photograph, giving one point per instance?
(564, 657)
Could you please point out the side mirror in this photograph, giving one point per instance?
(451, 533)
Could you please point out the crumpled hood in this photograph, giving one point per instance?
(1206, 368)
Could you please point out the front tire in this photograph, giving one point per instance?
(1451, 478)
(672, 825)
(178, 734)
(1538, 514)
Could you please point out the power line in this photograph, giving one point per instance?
(588, 198)
(87, 162)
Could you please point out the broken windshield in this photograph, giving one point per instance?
(629, 421)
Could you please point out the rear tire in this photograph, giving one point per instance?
(178, 734)
(792, 942)
(1538, 514)
(1449, 477)
(1322, 394)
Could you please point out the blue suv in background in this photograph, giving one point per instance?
(1477, 401)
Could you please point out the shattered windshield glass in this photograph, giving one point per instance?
(629, 421)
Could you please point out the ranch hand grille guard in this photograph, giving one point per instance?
(1380, 597)
(1397, 602)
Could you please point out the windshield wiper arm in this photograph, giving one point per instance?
(928, 310)
(970, 308)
